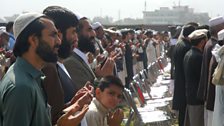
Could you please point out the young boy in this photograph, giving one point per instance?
(108, 96)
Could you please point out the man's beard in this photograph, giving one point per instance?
(65, 48)
(86, 44)
(46, 52)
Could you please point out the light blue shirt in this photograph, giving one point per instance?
(11, 42)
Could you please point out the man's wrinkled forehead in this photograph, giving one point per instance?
(48, 24)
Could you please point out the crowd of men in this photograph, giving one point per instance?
(58, 68)
(197, 65)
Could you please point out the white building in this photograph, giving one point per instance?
(178, 15)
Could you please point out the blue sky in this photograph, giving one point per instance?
(92, 8)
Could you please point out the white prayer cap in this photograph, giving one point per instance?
(119, 32)
(116, 42)
(221, 35)
(216, 21)
(125, 31)
(23, 21)
(96, 25)
(138, 32)
(109, 31)
(3, 30)
(78, 15)
(197, 34)
(154, 32)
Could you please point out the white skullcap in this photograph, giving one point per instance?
(125, 31)
(78, 15)
(118, 32)
(96, 25)
(110, 31)
(197, 34)
(216, 21)
(154, 32)
(116, 42)
(221, 35)
(138, 32)
(3, 30)
(23, 21)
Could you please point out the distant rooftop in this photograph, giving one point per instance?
(2, 20)
(177, 15)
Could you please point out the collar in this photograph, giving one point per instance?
(81, 54)
(11, 35)
(100, 107)
(62, 66)
(28, 68)
(196, 49)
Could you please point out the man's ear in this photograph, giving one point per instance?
(60, 35)
(98, 92)
(33, 40)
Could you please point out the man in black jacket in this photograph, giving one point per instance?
(181, 48)
(192, 70)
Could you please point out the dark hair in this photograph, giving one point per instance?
(139, 28)
(221, 42)
(149, 33)
(177, 33)
(125, 33)
(187, 30)
(34, 28)
(194, 24)
(9, 26)
(62, 17)
(80, 25)
(108, 37)
(131, 31)
(203, 27)
(195, 42)
(105, 82)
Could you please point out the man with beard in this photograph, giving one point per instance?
(23, 100)
(61, 90)
(77, 64)
(100, 35)
(217, 80)
(206, 90)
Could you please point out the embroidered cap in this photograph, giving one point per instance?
(23, 21)
(96, 25)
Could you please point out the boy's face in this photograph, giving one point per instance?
(110, 97)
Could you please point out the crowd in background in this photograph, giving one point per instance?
(145, 45)
(58, 63)
(61, 60)
(197, 72)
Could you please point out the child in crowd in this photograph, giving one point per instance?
(108, 96)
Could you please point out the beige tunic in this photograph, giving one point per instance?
(97, 114)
